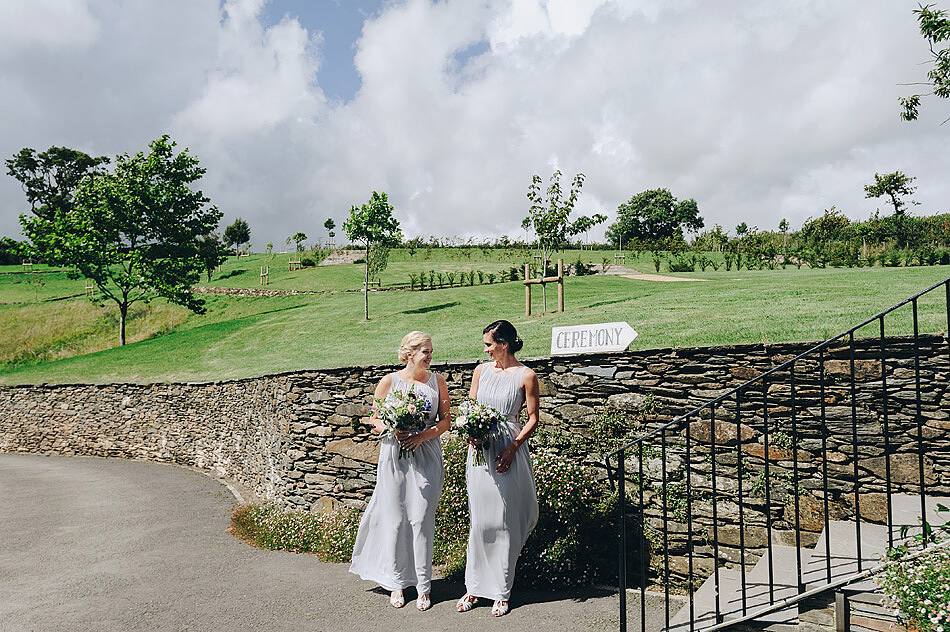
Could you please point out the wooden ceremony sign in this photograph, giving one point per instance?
(559, 279)
(599, 338)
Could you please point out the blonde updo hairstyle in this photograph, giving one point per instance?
(411, 343)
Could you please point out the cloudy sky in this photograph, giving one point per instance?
(301, 108)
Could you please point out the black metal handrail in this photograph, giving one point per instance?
(735, 396)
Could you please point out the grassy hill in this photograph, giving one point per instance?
(73, 340)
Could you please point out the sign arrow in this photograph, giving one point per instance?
(599, 338)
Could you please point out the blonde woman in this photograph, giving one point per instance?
(394, 542)
(502, 498)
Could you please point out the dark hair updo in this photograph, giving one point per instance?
(503, 331)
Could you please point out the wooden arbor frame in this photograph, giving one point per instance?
(559, 279)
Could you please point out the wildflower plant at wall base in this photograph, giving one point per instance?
(330, 535)
(919, 587)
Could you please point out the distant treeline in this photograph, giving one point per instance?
(829, 240)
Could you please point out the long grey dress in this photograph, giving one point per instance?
(394, 542)
(503, 507)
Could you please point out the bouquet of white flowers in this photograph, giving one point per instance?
(478, 422)
(402, 410)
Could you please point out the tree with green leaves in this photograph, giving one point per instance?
(50, 179)
(330, 225)
(584, 223)
(783, 228)
(652, 219)
(935, 27)
(10, 251)
(212, 253)
(549, 216)
(373, 225)
(136, 232)
(238, 234)
(893, 185)
(299, 238)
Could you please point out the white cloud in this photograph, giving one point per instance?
(758, 112)
(61, 25)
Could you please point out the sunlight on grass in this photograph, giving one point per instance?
(244, 337)
(44, 332)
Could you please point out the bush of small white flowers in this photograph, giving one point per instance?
(330, 535)
(919, 589)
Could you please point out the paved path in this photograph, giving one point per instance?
(103, 544)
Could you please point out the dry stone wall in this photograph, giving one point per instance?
(298, 439)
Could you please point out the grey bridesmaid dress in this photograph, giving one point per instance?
(503, 507)
(394, 541)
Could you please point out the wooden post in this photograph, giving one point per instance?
(560, 285)
(527, 290)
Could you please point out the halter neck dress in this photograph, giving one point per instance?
(503, 506)
(394, 541)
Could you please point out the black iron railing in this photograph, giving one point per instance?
(796, 426)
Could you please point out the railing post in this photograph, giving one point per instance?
(920, 429)
(715, 515)
(798, 527)
(854, 441)
(824, 461)
(689, 532)
(642, 542)
(887, 445)
(768, 493)
(666, 530)
(622, 488)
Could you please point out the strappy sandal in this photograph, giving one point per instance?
(499, 608)
(466, 603)
(396, 599)
(423, 602)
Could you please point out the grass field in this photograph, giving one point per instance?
(241, 337)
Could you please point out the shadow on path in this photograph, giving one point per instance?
(109, 544)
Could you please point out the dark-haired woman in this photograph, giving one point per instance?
(502, 498)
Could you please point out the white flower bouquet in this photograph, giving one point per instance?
(479, 423)
(402, 411)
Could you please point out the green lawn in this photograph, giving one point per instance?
(250, 336)
(21, 287)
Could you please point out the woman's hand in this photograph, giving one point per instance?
(409, 441)
(506, 458)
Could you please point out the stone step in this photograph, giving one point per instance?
(843, 561)
(757, 594)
